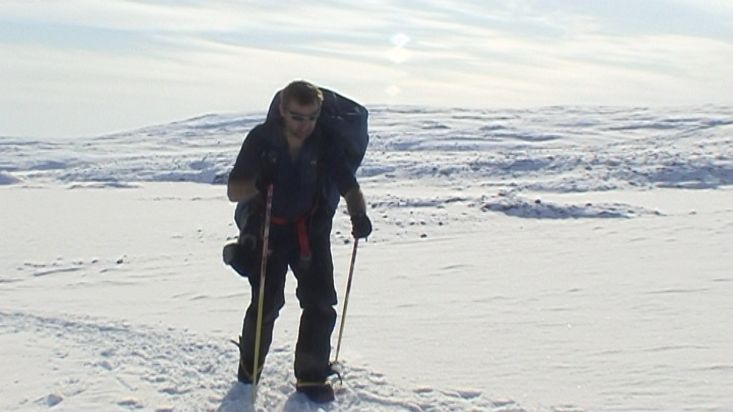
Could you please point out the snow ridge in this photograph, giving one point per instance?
(559, 149)
(514, 205)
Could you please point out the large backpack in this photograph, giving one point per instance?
(344, 122)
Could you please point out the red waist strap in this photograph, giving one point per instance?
(301, 228)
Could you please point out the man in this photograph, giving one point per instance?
(294, 156)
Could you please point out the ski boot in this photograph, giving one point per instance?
(317, 392)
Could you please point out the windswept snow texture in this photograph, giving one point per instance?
(7, 179)
(558, 149)
(514, 205)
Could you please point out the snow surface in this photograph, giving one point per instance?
(551, 259)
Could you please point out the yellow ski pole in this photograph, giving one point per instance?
(261, 296)
(346, 298)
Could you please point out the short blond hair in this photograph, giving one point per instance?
(302, 92)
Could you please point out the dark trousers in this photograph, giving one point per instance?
(315, 292)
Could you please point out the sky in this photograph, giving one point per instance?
(85, 67)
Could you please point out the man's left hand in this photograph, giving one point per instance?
(361, 226)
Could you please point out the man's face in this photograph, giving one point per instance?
(300, 120)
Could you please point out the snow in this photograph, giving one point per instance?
(549, 259)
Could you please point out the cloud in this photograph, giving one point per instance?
(125, 15)
(105, 91)
(121, 64)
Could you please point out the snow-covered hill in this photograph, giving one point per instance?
(551, 259)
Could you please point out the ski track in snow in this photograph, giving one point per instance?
(190, 372)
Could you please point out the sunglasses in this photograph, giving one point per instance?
(300, 118)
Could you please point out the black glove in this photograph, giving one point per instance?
(361, 226)
(251, 224)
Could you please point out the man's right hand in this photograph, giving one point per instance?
(251, 230)
(248, 241)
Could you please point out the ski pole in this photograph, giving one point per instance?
(346, 299)
(261, 297)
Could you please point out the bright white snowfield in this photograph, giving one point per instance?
(556, 259)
